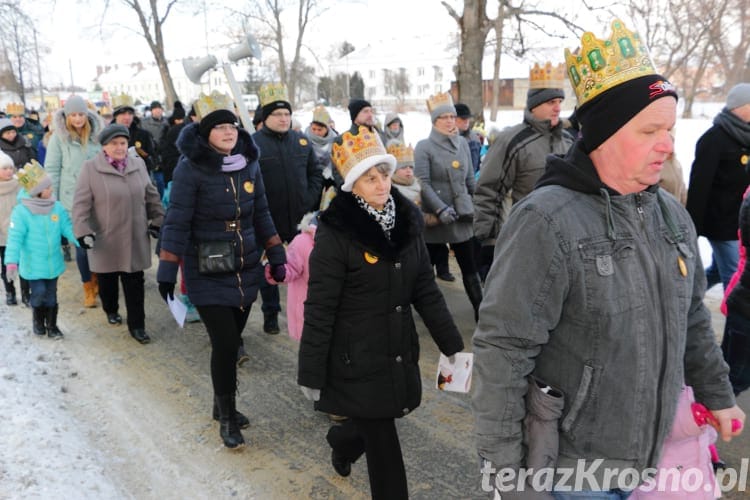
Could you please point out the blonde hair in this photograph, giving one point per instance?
(85, 133)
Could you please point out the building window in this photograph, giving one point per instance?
(372, 74)
(420, 71)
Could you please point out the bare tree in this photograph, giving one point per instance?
(16, 42)
(151, 19)
(265, 19)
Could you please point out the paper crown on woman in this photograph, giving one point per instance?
(15, 109)
(215, 101)
(33, 178)
(321, 115)
(356, 154)
(439, 104)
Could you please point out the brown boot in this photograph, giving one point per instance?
(89, 295)
(95, 281)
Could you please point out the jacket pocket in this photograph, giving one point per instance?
(580, 398)
(544, 407)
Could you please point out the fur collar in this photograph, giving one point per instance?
(196, 149)
(346, 216)
(58, 125)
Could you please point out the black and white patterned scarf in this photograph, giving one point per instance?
(386, 217)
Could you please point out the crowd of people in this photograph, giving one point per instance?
(584, 274)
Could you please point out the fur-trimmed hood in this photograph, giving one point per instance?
(59, 128)
(345, 215)
(202, 156)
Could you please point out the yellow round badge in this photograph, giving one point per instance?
(370, 258)
(303, 141)
(138, 144)
(55, 217)
(743, 159)
(456, 164)
(248, 186)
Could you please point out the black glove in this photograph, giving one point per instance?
(166, 289)
(154, 231)
(278, 272)
(87, 241)
(447, 215)
(276, 255)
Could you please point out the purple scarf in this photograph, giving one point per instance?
(118, 164)
(233, 163)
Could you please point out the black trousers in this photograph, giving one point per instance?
(224, 325)
(133, 289)
(378, 440)
(463, 251)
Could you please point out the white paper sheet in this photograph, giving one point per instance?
(456, 376)
(178, 310)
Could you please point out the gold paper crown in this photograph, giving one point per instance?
(321, 115)
(15, 108)
(355, 148)
(404, 154)
(105, 111)
(30, 174)
(122, 100)
(437, 100)
(547, 76)
(600, 65)
(272, 92)
(209, 103)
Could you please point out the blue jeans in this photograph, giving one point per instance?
(158, 180)
(82, 259)
(43, 293)
(726, 254)
(598, 495)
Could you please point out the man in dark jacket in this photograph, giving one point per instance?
(140, 140)
(292, 177)
(718, 179)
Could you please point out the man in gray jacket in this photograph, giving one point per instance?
(595, 299)
(516, 159)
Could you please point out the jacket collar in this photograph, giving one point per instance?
(346, 216)
(203, 157)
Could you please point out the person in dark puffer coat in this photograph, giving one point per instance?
(218, 194)
(359, 351)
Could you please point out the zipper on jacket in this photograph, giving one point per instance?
(237, 231)
(639, 206)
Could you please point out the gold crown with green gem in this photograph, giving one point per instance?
(30, 175)
(547, 76)
(209, 103)
(272, 92)
(598, 65)
(122, 100)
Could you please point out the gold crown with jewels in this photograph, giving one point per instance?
(355, 148)
(15, 108)
(209, 103)
(122, 100)
(30, 174)
(598, 65)
(547, 76)
(437, 100)
(404, 154)
(272, 92)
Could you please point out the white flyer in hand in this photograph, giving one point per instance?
(456, 376)
(178, 310)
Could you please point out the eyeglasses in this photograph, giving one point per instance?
(281, 114)
(225, 126)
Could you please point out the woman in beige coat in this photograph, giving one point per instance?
(115, 209)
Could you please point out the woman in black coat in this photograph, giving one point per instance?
(359, 350)
(218, 196)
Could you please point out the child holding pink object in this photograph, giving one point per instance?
(297, 273)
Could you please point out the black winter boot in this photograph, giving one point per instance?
(38, 315)
(242, 421)
(51, 322)
(10, 298)
(271, 323)
(473, 287)
(228, 428)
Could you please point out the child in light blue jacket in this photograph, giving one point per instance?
(33, 249)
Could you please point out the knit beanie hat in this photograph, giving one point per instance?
(111, 131)
(178, 111)
(606, 113)
(738, 96)
(462, 110)
(273, 106)
(123, 109)
(214, 118)
(535, 97)
(355, 106)
(6, 124)
(155, 104)
(75, 104)
(258, 116)
(5, 160)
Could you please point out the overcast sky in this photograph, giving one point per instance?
(77, 38)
